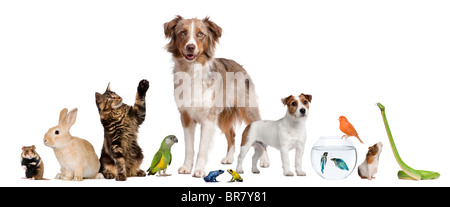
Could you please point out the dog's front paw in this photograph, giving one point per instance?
(288, 173)
(199, 173)
(300, 173)
(184, 170)
(227, 161)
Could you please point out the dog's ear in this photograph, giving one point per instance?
(307, 96)
(169, 27)
(284, 100)
(214, 29)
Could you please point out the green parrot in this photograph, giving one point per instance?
(163, 157)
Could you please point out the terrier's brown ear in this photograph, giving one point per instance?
(285, 100)
(307, 96)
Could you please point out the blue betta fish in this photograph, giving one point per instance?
(340, 163)
(323, 161)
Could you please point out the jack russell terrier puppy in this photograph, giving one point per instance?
(285, 134)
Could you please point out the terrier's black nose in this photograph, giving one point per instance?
(302, 110)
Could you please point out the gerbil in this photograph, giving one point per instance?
(32, 163)
(369, 167)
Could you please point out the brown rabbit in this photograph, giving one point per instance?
(76, 156)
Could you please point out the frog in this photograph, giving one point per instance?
(235, 176)
(211, 177)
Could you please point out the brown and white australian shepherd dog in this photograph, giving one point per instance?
(208, 91)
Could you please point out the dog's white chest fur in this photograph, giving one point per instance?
(295, 140)
(295, 134)
(291, 134)
(199, 86)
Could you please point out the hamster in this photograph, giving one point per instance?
(32, 163)
(369, 167)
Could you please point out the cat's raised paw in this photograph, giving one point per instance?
(143, 87)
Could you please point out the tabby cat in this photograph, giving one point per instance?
(121, 155)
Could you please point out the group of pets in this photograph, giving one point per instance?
(192, 45)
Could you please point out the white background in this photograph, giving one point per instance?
(347, 54)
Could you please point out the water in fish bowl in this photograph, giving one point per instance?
(333, 158)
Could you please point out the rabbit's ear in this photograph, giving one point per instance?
(71, 118)
(62, 115)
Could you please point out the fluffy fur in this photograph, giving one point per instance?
(192, 44)
(76, 156)
(121, 155)
(285, 134)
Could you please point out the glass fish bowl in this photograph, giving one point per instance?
(333, 158)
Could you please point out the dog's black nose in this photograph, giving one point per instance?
(302, 110)
(190, 47)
